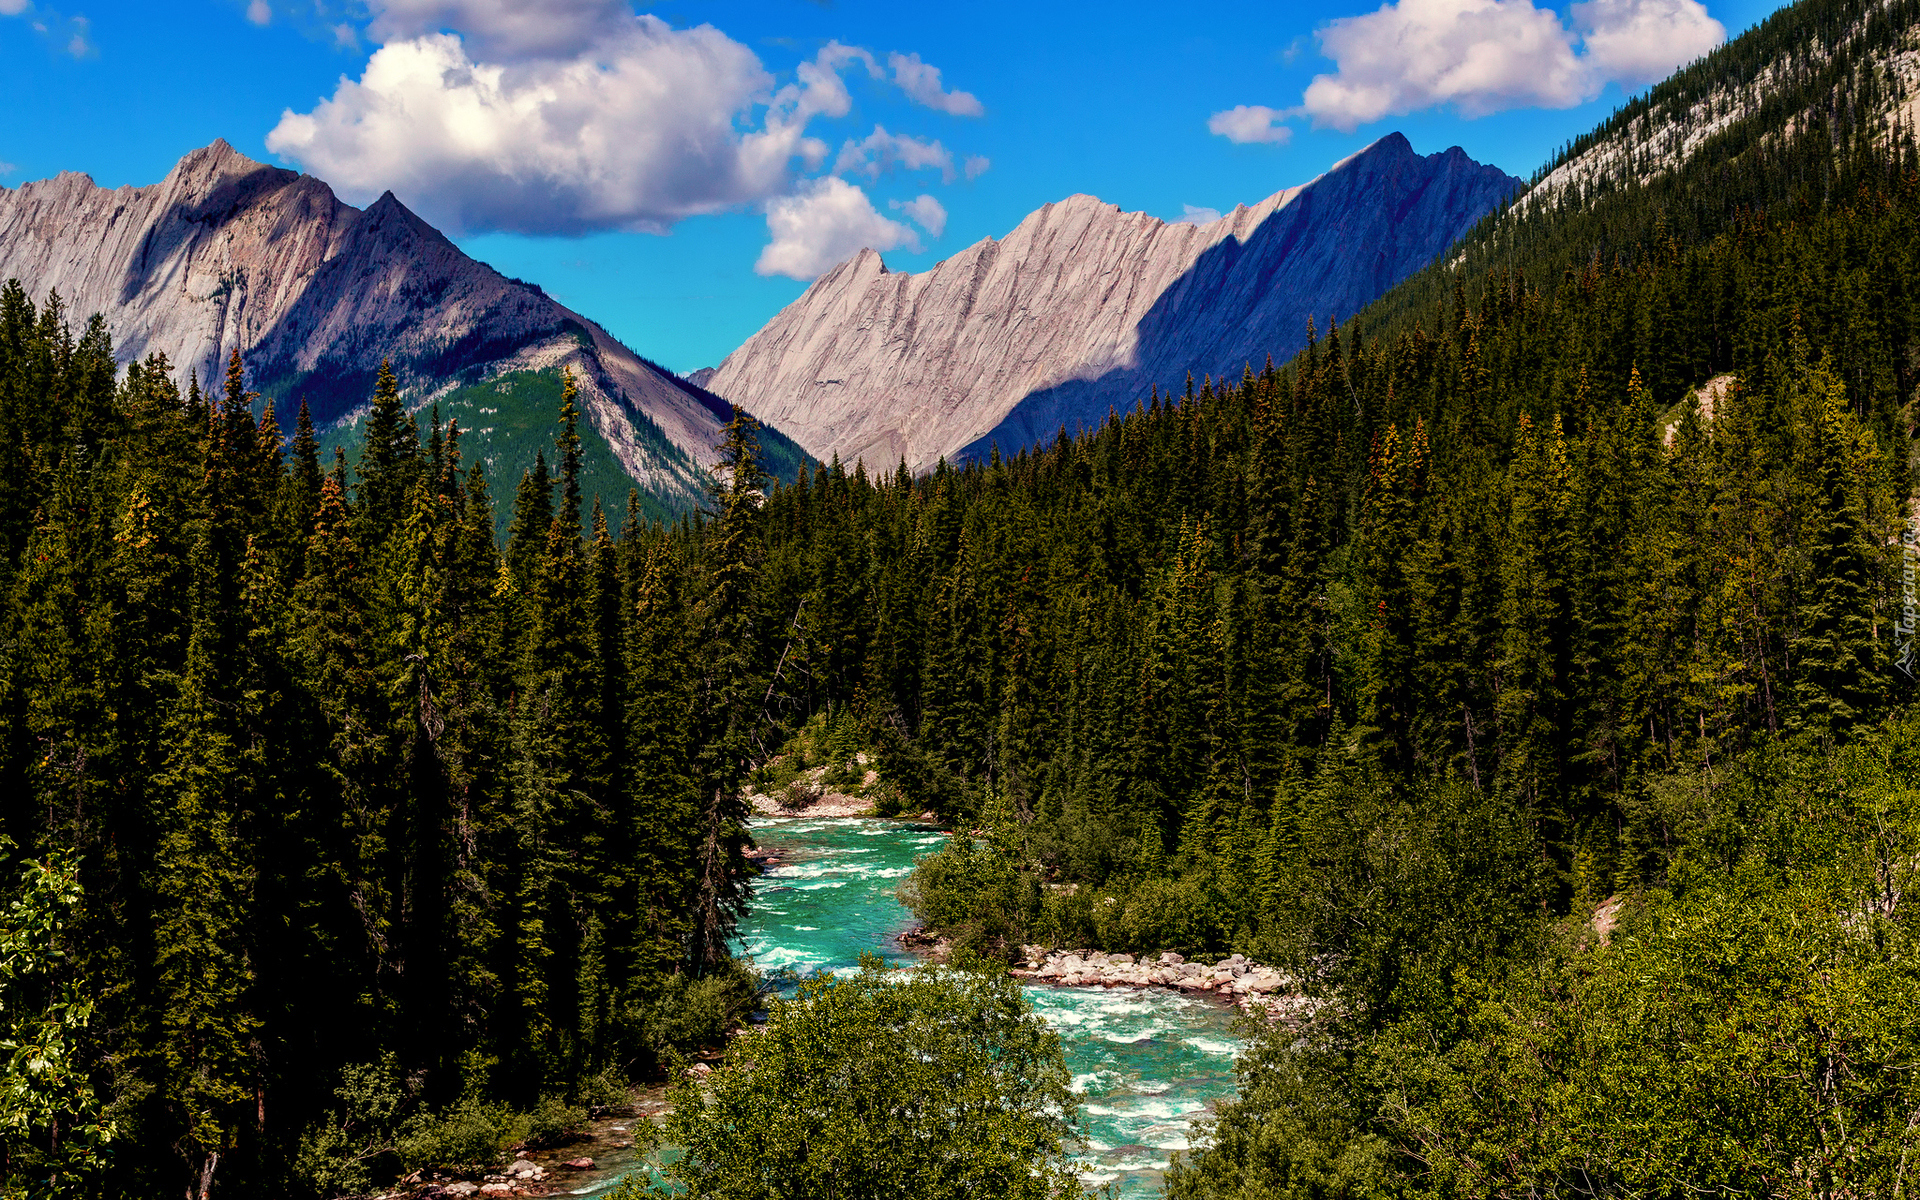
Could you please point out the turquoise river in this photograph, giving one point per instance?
(1146, 1062)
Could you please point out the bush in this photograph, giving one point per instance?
(470, 1135)
(1157, 914)
(692, 1014)
(928, 1084)
(973, 893)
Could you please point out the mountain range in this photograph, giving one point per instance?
(1083, 308)
(226, 253)
(1079, 310)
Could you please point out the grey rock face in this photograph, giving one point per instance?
(229, 253)
(1083, 307)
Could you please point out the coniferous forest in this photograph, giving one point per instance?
(326, 793)
(1521, 666)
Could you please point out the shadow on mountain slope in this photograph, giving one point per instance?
(1244, 300)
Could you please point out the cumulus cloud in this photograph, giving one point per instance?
(259, 13)
(1479, 55)
(1194, 214)
(1250, 123)
(823, 224)
(12, 8)
(505, 30)
(639, 135)
(880, 152)
(1485, 56)
(977, 165)
(1636, 42)
(921, 82)
(572, 116)
(924, 211)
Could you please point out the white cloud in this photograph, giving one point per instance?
(1636, 42)
(259, 13)
(977, 165)
(1193, 214)
(921, 83)
(828, 221)
(1482, 57)
(73, 34)
(564, 117)
(637, 135)
(924, 211)
(7, 168)
(881, 151)
(505, 30)
(1479, 55)
(1250, 123)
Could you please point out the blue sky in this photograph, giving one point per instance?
(677, 172)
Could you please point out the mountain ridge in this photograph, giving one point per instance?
(227, 253)
(1083, 306)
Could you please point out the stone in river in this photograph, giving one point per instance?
(578, 1164)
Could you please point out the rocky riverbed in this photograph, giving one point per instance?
(1237, 980)
(589, 1161)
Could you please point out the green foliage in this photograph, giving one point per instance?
(1746, 1029)
(53, 1134)
(507, 420)
(973, 890)
(692, 1013)
(345, 783)
(927, 1084)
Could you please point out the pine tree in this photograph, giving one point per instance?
(730, 693)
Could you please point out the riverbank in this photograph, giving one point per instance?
(1250, 986)
(1147, 1063)
(583, 1162)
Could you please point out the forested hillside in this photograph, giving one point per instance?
(352, 843)
(1520, 666)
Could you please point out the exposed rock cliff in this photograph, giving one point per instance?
(1082, 307)
(226, 252)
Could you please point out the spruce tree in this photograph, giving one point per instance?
(730, 693)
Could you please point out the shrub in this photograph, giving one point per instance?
(930, 1084)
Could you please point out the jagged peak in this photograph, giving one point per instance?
(218, 157)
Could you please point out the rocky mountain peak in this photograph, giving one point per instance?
(1082, 307)
(227, 253)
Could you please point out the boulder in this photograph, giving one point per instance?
(523, 1168)
(1123, 960)
(496, 1189)
(462, 1189)
(578, 1164)
(1170, 958)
